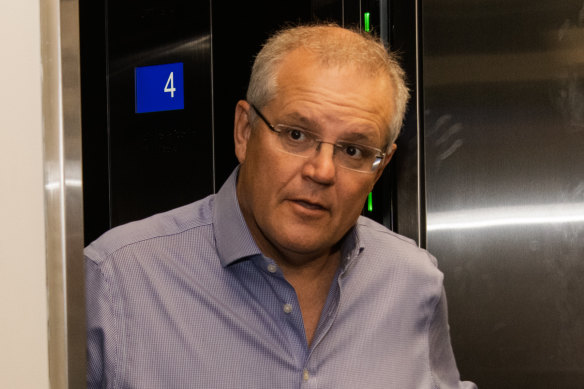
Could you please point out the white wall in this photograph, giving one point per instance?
(23, 296)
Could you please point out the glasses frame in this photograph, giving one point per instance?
(374, 166)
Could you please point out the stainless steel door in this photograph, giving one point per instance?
(503, 114)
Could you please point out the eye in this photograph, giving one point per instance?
(355, 151)
(296, 135)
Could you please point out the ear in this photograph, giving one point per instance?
(384, 163)
(241, 129)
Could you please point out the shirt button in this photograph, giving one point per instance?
(287, 308)
(272, 268)
(305, 375)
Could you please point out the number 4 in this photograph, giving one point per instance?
(170, 82)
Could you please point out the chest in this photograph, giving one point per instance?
(248, 327)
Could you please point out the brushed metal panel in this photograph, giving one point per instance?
(63, 193)
(504, 162)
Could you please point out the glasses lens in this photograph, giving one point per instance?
(356, 157)
(296, 140)
(350, 156)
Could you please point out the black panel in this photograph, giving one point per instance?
(94, 119)
(158, 160)
(406, 177)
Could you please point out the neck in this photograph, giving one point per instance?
(311, 281)
(308, 267)
(294, 263)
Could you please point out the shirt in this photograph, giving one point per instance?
(185, 299)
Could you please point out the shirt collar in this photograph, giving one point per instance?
(352, 246)
(232, 237)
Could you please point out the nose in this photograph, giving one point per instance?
(321, 167)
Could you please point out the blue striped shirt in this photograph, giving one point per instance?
(185, 299)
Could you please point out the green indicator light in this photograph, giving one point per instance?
(370, 202)
(366, 17)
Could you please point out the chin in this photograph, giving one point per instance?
(306, 246)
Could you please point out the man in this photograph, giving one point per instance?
(276, 281)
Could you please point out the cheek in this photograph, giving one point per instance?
(271, 175)
(352, 196)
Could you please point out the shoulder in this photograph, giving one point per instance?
(166, 224)
(394, 265)
(378, 240)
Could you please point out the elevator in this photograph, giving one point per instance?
(487, 175)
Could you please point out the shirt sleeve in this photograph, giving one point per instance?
(442, 362)
(101, 328)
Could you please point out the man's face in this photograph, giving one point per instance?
(301, 207)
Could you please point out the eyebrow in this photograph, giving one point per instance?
(299, 120)
(358, 137)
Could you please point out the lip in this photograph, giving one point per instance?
(309, 207)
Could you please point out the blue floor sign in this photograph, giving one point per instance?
(159, 88)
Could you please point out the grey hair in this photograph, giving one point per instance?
(333, 46)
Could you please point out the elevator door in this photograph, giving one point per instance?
(503, 92)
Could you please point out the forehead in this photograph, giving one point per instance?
(339, 97)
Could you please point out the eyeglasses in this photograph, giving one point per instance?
(300, 142)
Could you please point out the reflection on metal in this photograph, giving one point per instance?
(56, 185)
(506, 216)
(197, 46)
(63, 199)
